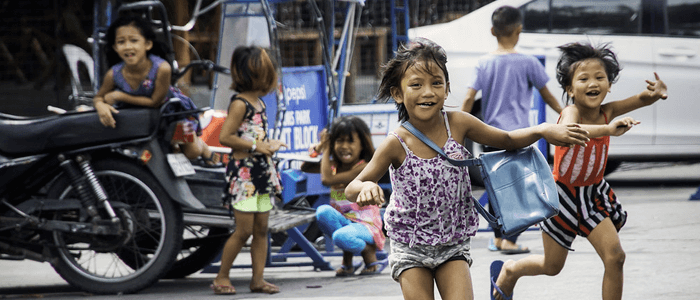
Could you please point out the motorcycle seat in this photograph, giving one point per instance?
(34, 135)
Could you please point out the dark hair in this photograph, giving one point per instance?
(252, 70)
(505, 20)
(144, 28)
(418, 50)
(573, 54)
(346, 126)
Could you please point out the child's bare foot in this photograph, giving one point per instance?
(265, 288)
(222, 287)
(505, 281)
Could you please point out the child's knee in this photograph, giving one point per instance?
(553, 268)
(615, 259)
(322, 211)
(242, 234)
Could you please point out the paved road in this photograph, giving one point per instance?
(661, 239)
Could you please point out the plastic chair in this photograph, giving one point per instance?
(75, 56)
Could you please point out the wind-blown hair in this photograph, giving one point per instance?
(573, 54)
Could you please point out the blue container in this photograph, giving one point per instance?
(293, 185)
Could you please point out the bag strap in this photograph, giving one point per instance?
(431, 144)
(455, 162)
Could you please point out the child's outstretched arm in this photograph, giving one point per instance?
(570, 115)
(556, 134)
(364, 188)
(654, 91)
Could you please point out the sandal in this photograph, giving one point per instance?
(267, 288)
(492, 246)
(208, 162)
(494, 271)
(518, 250)
(344, 271)
(223, 289)
(379, 265)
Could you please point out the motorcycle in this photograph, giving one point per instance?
(112, 210)
(77, 194)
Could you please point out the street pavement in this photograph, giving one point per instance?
(661, 240)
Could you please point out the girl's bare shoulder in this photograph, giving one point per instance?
(570, 114)
(460, 123)
(390, 147)
(164, 66)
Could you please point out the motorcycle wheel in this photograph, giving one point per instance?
(200, 246)
(136, 259)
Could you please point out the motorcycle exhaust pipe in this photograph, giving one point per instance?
(21, 254)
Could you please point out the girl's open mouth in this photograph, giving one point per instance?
(426, 104)
(593, 93)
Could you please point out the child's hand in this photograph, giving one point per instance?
(323, 141)
(656, 89)
(105, 111)
(371, 194)
(565, 135)
(619, 127)
(270, 147)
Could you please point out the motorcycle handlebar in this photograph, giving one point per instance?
(207, 65)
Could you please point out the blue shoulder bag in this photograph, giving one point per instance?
(519, 184)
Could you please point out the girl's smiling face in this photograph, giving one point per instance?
(589, 84)
(131, 45)
(423, 90)
(347, 149)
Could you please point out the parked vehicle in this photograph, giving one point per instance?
(648, 36)
(108, 208)
(77, 195)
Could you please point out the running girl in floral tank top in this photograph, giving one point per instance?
(346, 148)
(430, 218)
(587, 204)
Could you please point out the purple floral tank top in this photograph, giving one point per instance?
(431, 199)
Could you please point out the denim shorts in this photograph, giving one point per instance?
(403, 257)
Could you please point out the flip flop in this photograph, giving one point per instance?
(381, 265)
(519, 250)
(496, 267)
(267, 288)
(492, 246)
(209, 162)
(223, 289)
(345, 272)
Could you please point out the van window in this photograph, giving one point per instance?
(579, 17)
(684, 18)
(536, 16)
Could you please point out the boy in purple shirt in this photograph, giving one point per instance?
(506, 79)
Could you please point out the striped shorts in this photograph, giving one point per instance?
(582, 208)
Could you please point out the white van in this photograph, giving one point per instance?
(648, 36)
